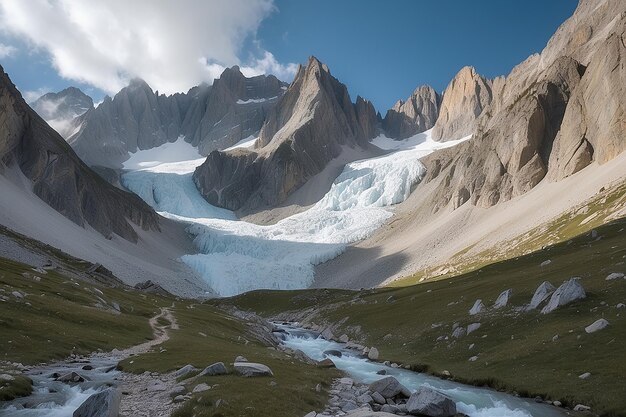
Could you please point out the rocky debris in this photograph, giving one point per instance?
(105, 403)
(477, 308)
(60, 178)
(250, 369)
(187, 369)
(569, 291)
(585, 375)
(581, 407)
(429, 402)
(417, 114)
(72, 378)
(503, 299)
(542, 292)
(472, 327)
(464, 100)
(217, 368)
(200, 388)
(596, 325)
(389, 387)
(373, 354)
(614, 275)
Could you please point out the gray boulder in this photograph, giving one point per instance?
(477, 308)
(217, 368)
(72, 378)
(614, 275)
(373, 354)
(389, 387)
(503, 298)
(596, 325)
(429, 402)
(472, 327)
(569, 291)
(542, 292)
(105, 403)
(187, 369)
(251, 369)
(459, 332)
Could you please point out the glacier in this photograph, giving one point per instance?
(235, 256)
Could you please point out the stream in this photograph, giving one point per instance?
(473, 401)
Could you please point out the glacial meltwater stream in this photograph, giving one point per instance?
(473, 401)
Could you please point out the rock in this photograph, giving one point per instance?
(105, 403)
(178, 389)
(614, 275)
(250, 369)
(241, 359)
(542, 292)
(333, 352)
(327, 334)
(417, 114)
(378, 398)
(72, 378)
(311, 414)
(472, 327)
(87, 368)
(557, 403)
(6, 378)
(555, 337)
(326, 363)
(17, 294)
(477, 308)
(344, 338)
(157, 386)
(391, 409)
(217, 368)
(620, 305)
(459, 332)
(382, 372)
(187, 369)
(580, 407)
(389, 387)
(596, 325)
(365, 399)
(473, 359)
(373, 354)
(178, 399)
(429, 402)
(503, 299)
(200, 388)
(569, 291)
(585, 375)
(545, 263)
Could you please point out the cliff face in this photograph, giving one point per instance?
(209, 117)
(552, 116)
(59, 177)
(309, 126)
(417, 114)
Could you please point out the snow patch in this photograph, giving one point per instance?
(180, 150)
(244, 143)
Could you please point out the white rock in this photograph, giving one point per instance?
(373, 354)
(585, 375)
(473, 359)
(200, 388)
(250, 369)
(597, 325)
(503, 298)
(478, 307)
(472, 327)
(620, 305)
(614, 275)
(546, 263)
(17, 294)
(542, 292)
(580, 407)
(569, 291)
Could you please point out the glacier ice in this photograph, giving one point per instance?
(235, 256)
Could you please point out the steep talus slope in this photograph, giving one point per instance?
(308, 128)
(59, 177)
(417, 114)
(209, 117)
(62, 109)
(464, 100)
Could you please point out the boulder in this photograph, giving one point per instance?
(429, 402)
(545, 263)
(328, 334)
(585, 375)
(326, 363)
(569, 291)
(6, 378)
(596, 325)
(250, 369)
(477, 308)
(614, 275)
(389, 387)
(542, 292)
(373, 354)
(580, 407)
(459, 332)
(72, 378)
(333, 352)
(472, 327)
(344, 338)
(503, 298)
(241, 359)
(105, 403)
(187, 369)
(200, 388)
(217, 368)
(378, 398)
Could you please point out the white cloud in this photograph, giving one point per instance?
(32, 95)
(6, 50)
(171, 45)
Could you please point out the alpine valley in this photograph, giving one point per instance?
(255, 247)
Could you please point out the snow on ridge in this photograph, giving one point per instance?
(244, 143)
(169, 152)
(236, 256)
(256, 100)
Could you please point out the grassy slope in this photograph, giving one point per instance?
(57, 318)
(515, 350)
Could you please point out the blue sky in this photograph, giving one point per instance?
(381, 49)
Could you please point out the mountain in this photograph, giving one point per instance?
(208, 117)
(417, 114)
(61, 109)
(310, 125)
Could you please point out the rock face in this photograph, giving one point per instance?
(417, 114)
(569, 291)
(59, 177)
(464, 100)
(209, 117)
(429, 402)
(61, 109)
(101, 404)
(309, 127)
(546, 119)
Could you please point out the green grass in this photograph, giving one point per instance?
(515, 350)
(21, 386)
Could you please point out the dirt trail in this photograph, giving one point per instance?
(160, 333)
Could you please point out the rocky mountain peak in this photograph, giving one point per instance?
(417, 114)
(61, 109)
